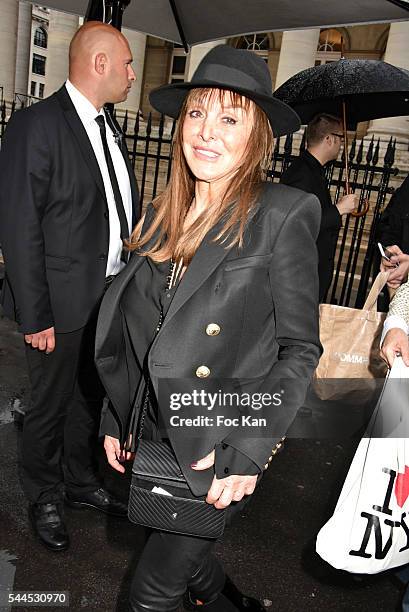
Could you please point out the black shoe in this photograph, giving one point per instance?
(242, 602)
(49, 526)
(221, 604)
(99, 500)
(229, 600)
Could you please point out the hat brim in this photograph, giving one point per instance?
(168, 100)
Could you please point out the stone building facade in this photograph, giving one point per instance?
(34, 57)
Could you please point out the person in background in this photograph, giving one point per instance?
(307, 172)
(68, 199)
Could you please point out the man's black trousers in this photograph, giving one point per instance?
(61, 425)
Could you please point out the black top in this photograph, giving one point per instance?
(308, 174)
(161, 297)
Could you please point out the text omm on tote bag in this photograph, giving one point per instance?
(350, 339)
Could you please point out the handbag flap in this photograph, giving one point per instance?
(156, 460)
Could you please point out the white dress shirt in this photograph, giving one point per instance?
(87, 113)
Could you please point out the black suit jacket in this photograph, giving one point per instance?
(308, 174)
(264, 297)
(54, 226)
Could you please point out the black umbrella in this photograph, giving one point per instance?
(370, 88)
(355, 90)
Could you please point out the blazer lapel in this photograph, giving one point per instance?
(110, 304)
(206, 259)
(81, 136)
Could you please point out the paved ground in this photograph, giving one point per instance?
(268, 551)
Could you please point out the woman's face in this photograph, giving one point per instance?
(215, 133)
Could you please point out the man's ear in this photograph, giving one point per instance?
(100, 63)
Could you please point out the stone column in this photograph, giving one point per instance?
(397, 53)
(137, 43)
(8, 47)
(298, 51)
(61, 29)
(23, 47)
(197, 53)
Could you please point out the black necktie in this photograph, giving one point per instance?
(115, 187)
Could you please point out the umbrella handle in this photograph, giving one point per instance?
(365, 205)
(363, 211)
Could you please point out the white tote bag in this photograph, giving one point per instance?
(369, 530)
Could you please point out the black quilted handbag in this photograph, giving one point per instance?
(160, 497)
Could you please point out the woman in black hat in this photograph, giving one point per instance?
(222, 286)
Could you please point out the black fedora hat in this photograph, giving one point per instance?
(238, 70)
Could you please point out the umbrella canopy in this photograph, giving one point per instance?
(354, 90)
(371, 89)
(204, 20)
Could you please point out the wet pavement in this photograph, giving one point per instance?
(268, 551)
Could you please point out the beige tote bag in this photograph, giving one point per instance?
(350, 338)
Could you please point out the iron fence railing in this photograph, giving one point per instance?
(369, 175)
(150, 143)
(22, 100)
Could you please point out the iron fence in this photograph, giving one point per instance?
(22, 100)
(369, 176)
(149, 144)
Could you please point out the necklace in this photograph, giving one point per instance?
(174, 273)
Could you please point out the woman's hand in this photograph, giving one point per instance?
(224, 491)
(395, 343)
(398, 267)
(115, 454)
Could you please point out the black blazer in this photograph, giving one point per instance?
(54, 226)
(308, 174)
(264, 297)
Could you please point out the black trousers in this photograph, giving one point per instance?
(63, 420)
(171, 563)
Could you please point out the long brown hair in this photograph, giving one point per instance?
(172, 205)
